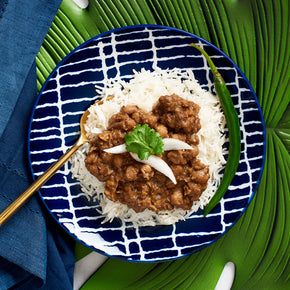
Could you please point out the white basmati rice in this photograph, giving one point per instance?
(144, 89)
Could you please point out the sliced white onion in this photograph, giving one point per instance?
(117, 149)
(157, 163)
(169, 144)
(153, 160)
(175, 144)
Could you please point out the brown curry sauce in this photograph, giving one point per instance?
(139, 185)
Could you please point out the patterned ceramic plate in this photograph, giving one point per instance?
(54, 128)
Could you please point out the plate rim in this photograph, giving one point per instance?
(194, 36)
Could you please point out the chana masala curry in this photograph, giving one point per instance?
(138, 185)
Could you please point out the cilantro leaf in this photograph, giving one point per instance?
(144, 141)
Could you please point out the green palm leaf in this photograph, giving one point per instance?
(255, 34)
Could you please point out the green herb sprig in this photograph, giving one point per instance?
(144, 141)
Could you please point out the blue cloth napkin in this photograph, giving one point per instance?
(34, 251)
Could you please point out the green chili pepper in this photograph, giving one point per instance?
(233, 129)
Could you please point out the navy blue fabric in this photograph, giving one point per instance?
(23, 26)
(3, 4)
(34, 251)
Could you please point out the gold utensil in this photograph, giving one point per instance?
(21, 199)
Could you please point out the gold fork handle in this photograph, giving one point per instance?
(22, 198)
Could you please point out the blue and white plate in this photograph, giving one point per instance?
(54, 128)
